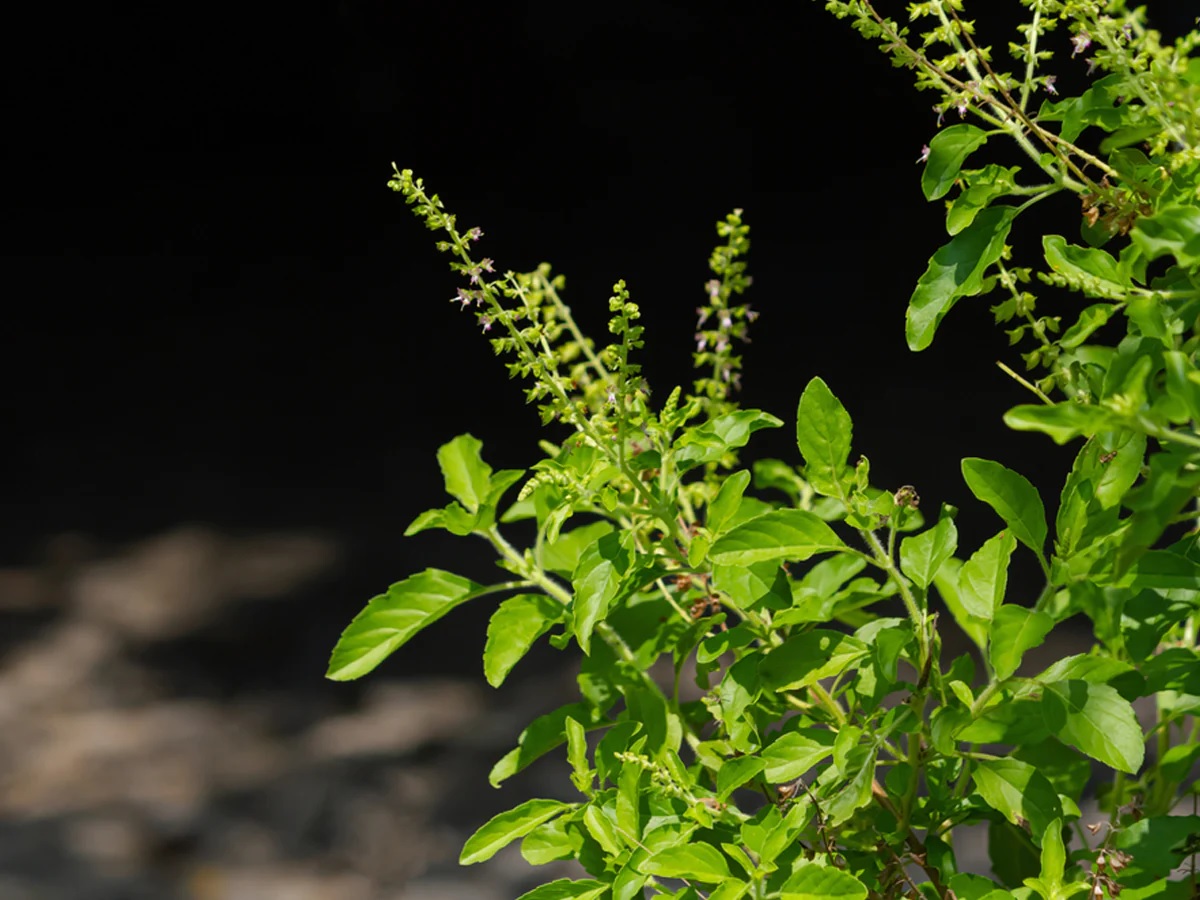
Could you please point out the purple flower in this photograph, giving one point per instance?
(1050, 88)
(1081, 42)
(726, 321)
(464, 297)
(962, 109)
(486, 322)
(701, 343)
(924, 157)
(1091, 65)
(751, 314)
(714, 288)
(703, 312)
(475, 233)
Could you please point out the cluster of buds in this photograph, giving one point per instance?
(721, 323)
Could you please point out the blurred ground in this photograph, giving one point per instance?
(137, 760)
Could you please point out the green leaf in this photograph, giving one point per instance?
(1015, 630)
(763, 584)
(983, 186)
(551, 841)
(793, 754)
(390, 620)
(922, 555)
(566, 889)
(514, 627)
(779, 534)
(1097, 721)
(806, 658)
(711, 441)
(699, 862)
(983, 579)
(1063, 421)
(597, 582)
(1017, 791)
(1092, 268)
(859, 766)
(946, 583)
(1012, 497)
(948, 151)
(956, 270)
(541, 736)
(823, 434)
(737, 772)
(503, 829)
(1156, 843)
(728, 498)
(1174, 230)
(600, 827)
(813, 881)
(466, 475)
(561, 555)
(1090, 320)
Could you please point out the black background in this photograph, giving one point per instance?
(216, 312)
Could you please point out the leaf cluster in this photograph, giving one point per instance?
(765, 709)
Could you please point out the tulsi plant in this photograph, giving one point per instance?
(764, 707)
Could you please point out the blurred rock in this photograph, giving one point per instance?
(114, 786)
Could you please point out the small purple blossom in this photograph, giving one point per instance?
(962, 109)
(612, 397)
(722, 345)
(703, 312)
(726, 321)
(941, 114)
(464, 297)
(924, 157)
(1127, 30)
(751, 314)
(486, 322)
(713, 287)
(1081, 42)
(701, 343)
(1050, 88)
(1091, 65)
(475, 233)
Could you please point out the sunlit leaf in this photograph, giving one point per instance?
(390, 620)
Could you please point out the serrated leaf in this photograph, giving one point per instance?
(600, 827)
(728, 498)
(813, 881)
(466, 475)
(1017, 791)
(1013, 498)
(922, 555)
(736, 772)
(501, 830)
(514, 627)
(806, 658)
(983, 579)
(1063, 422)
(597, 582)
(1097, 271)
(390, 620)
(948, 150)
(956, 270)
(710, 441)
(780, 534)
(1015, 630)
(823, 434)
(699, 862)
(1174, 230)
(983, 186)
(792, 754)
(1090, 320)
(1099, 722)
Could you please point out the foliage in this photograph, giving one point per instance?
(828, 749)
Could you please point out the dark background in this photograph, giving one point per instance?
(216, 312)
